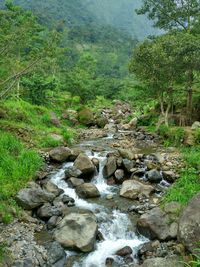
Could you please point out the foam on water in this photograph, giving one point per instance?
(114, 227)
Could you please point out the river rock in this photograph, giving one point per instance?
(84, 164)
(133, 189)
(169, 176)
(56, 254)
(52, 188)
(119, 175)
(74, 182)
(72, 172)
(110, 167)
(77, 231)
(126, 154)
(154, 176)
(60, 154)
(124, 251)
(31, 198)
(47, 211)
(156, 224)
(128, 164)
(163, 262)
(87, 190)
(96, 163)
(189, 230)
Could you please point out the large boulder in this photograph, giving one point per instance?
(110, 167)
(162, 262)
(154, 176)
(133, 189)
(156, 224)
(189, 225)
(60, 154)
(31, 198)
(77, 231)
(84, 164)
(86, 117)
(87, 190)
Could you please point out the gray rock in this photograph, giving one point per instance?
(119, 175)
(128, 164)
(84, 164)
(163, 262)
(126, 154)
(56, 255)
(189, 225)
(66, 199)
(96, 163)
(133, 189)
(47, 211)
(30, 198)
(52, 188)
(124, 251)
(72, 172)
(74, 182)
(156, 224)
(60, 154)
(169, 176)
(154, 176)
(87, 190)
(77, 232)
(110, 167)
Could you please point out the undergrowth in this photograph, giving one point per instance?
(18, 165)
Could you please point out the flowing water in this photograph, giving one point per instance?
(114, 225)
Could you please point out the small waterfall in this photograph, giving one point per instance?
(114, 225)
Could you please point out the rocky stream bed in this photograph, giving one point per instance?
(98, 204)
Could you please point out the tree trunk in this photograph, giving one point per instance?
(189, 97)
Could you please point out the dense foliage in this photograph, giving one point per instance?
(169, 64)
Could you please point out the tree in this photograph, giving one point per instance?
(154, 64)
(172, 14)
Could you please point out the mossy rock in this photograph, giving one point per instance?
(86, 117)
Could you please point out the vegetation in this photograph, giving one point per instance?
(18, 165)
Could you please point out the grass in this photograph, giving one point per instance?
(189, 182)
(195, 262)
(3, 251)
(18, 165)
(33, 124)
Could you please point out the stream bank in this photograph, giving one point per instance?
(115, 221)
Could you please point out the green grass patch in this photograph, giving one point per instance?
(18, 165)
(172, 135)
(33, 124)
(189, 182)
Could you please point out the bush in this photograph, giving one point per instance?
(86, 116)
(172, 135)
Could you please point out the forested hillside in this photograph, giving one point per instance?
(119, 14)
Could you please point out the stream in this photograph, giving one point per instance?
(116, 226)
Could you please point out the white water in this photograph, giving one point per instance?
(114, 226)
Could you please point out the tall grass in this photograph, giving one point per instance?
(189, 182)
(18, 165)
